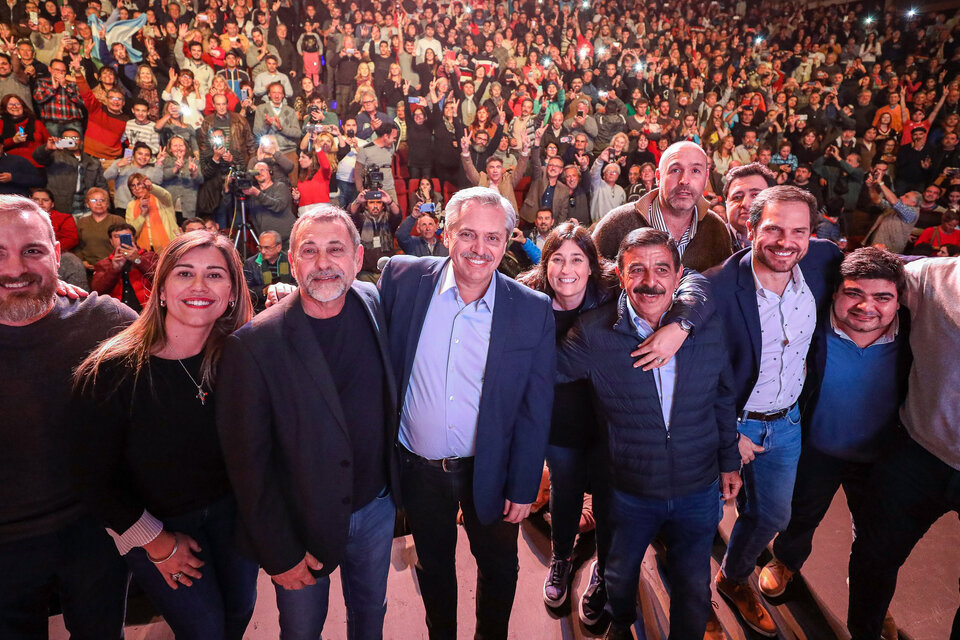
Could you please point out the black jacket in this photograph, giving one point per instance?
(646, 458)
(284, 436)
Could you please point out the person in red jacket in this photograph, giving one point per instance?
(127, 273)
(105, 125)
(64, 226)
(22, 130)
(314, 188)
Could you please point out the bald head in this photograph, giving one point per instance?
(682, 175)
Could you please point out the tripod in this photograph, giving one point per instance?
(245, 231)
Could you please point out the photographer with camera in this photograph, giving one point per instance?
(347, 149)
(269, 204)
(64, 159)
(376, 216)
(127, 273)
(375, 161)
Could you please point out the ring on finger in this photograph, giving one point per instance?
(176, 576)
(659, 360)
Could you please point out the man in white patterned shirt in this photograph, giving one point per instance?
(769, 295)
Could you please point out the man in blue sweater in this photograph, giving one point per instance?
(672, 432)
(857, 367)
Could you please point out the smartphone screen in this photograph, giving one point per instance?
(244, 95)
(413, 100)
(128, 153)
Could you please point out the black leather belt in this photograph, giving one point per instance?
(447, 465)
(765, 417)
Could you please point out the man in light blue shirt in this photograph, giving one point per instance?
(439, 417)
(474, 352)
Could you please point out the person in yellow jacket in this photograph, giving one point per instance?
(151, 213)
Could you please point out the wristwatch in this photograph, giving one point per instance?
(685, 326)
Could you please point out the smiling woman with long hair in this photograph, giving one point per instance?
(150, 463)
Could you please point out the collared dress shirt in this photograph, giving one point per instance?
(666, 375)
(442, 402)
(787, 323)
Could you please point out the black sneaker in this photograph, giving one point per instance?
(557, 585)
(594, 598)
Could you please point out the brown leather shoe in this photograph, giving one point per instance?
(774, 579)
(748, 605)
(889, 631)
(714, 630)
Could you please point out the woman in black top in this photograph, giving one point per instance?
(573, 275)
(151, 465)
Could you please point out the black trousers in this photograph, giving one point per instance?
(431, 498)
(911, 490)
(819, 476)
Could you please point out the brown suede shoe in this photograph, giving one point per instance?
(889, 631)
(774, 579)
(714, 630)
(748, 605)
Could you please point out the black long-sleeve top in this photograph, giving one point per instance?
(147, 443)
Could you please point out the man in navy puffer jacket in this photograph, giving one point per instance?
(672, 434)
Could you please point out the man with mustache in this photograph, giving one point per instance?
(474, 353)
(674, 451)
(676, 207)
(48, 543)
(308, 423)
(768, 296)
(858, 366)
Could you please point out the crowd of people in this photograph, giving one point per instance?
(406, 254)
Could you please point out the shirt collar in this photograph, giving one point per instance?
(796, 280)
(642, 326)
(448, 281)
(889, 335)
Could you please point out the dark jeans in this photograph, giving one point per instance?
(347, 191)
(420, 172)
(80, 563)
(574, 471)
(909, 491)
(688, 525)
(431, 498)
(818, 477)
(363, 576)
(220, 603)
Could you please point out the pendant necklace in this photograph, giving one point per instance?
(201, 394)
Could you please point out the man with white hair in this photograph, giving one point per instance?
(308, 433)
(473, 352)
(48, 543)
(676, 207)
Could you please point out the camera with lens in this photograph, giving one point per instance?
(240, 178)
(373, 182)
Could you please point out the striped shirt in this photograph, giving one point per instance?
(655, 217)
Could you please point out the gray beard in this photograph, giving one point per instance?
(17, 309)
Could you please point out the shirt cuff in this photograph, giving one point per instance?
(141, 533)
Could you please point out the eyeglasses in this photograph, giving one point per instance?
(97, 200)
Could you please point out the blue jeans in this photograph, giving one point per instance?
(80, 563)
(347, 191)
(763, 504)
(220, 603)
(688, 524)
(363, 575)
(573, 471)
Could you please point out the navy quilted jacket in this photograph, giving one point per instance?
(646, 460)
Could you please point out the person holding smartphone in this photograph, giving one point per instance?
(127, 273)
